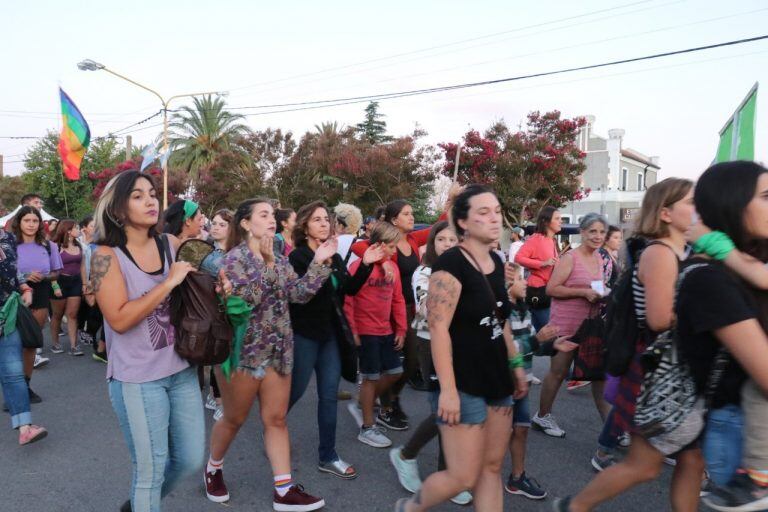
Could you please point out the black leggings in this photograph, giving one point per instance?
(424, 433)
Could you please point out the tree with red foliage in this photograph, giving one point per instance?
(176, 183)
(528, 169)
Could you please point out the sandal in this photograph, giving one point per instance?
(338, 468)
(32, 434)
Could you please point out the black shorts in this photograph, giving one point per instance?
(71, 286)
(41, 294)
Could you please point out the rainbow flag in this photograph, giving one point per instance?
(75, 137)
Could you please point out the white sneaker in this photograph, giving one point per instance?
(532, 379)
(548, 425)
(40, 361)
(39, 351)
(463, 498)
(356, 412)
(210, 403)
(218, 414)
(625, 440)
(407, 470)
(374, 436)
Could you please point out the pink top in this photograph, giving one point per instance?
(535, 251)
(568, 314)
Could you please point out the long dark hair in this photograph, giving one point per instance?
(393, 209)
(61, 237)
(544, 219)
(16, 225)
(303, 217)
(112, 209)
(174, 218)
(430, 256)
(282, 215)
(244, 210)
(725, 211)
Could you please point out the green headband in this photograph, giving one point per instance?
(190, 208)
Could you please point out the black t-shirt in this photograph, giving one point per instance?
(407, 265)
(479, 352)
(711, 298)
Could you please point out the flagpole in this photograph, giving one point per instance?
(64, 191)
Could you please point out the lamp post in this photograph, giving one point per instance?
(90, 65)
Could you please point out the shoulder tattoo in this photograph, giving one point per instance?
(441, 297)
(99, 267)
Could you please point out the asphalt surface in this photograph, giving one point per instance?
(83, 464)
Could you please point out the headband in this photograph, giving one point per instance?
(190, 208)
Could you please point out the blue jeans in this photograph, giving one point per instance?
(321, 357)
(539, 318)
(15, 389)
(162, 421)
(608, 440)
(722, 445)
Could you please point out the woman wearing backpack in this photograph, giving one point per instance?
(153, 391)
(667, 213)
(268, 284)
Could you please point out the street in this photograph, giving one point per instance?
(83, 464)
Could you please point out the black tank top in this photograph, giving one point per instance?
(407, 265)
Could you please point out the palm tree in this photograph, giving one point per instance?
(200, 134)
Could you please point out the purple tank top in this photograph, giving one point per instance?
(71, 263)
(145, 352)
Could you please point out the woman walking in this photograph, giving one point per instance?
(665, 216)
(473, 352)
(184, 220)
(539, 254)
(39, 263)
(153, 391)
(316, 328)
(267, 284)
(576, 286)
(70, 285)
(15, 391)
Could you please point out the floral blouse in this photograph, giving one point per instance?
(269, 337)
(9, 281)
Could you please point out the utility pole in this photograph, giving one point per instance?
(1, 166)
(128, 147)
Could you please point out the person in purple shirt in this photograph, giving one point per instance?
(39, 263)
(153, 391)
(68, 288)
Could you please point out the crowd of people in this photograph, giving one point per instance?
(326, 291)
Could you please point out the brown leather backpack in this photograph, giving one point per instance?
(203, 332)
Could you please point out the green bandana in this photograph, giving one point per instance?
(190, 208)
(238, 312)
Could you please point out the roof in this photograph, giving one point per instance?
(634, 155)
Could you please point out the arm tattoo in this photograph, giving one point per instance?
(442, 297)
(99, 268)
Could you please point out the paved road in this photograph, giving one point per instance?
(83, 465)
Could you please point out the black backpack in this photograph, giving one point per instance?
(621, 329)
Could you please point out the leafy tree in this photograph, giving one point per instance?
(373, 130)
(11, 190)
(528, 169)
(44, 175)
(100, 178)
(198, 135)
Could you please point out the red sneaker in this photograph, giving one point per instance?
(576, 384)
(215, 488)
(296, 500)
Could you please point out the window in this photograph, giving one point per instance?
(624, 178)
(640, 181)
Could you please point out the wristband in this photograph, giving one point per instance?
(516, 361)
(55, 286)
(716, 244)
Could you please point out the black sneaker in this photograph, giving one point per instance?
(525, 486)
(126, 507)
(741, 494)
(602, 463)
(398, 413)
(34, 398)
(562, 504)
(389, 420)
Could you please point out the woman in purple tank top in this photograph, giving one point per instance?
(153, 391)
(577, 283)
(68, 287)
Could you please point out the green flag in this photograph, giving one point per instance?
(737, 138)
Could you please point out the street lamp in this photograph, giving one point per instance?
(91, 65)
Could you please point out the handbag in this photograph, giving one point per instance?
(346, 342)
(669, 412)
(536, 297)
(29, 330)
(589, 364)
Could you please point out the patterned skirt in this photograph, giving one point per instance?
(629, 390)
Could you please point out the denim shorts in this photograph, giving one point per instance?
(378, 357)
(474, 409)
(521, 412)
(257, 373)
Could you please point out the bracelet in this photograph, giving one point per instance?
(55, 286)
(716, 244)
(516, 361)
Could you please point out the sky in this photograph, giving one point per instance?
(287, 52)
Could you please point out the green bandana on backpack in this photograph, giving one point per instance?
(9, 313)
(238, 312)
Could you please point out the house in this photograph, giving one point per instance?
(616, 176)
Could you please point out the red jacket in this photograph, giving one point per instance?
(415, 239)
(532, 254)
(378, 309)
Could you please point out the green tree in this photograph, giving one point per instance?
(200, 133)
(44, 175)
(11, 190)
(373, 129)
